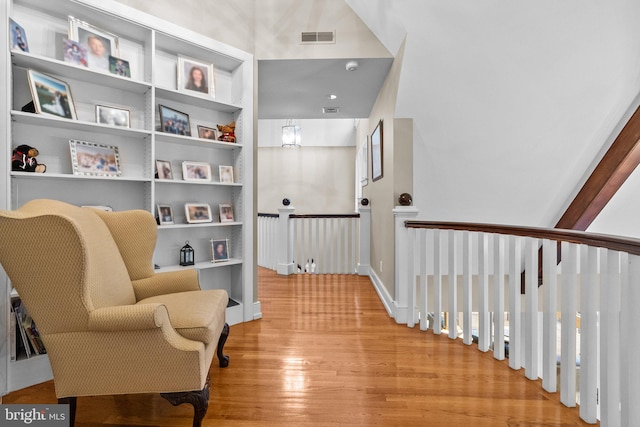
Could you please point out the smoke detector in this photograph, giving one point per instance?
(351, 66)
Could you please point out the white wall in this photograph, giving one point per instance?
(315, 132)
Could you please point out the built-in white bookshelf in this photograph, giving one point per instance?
(153, 48)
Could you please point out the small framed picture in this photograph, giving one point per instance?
(18, 37)
(207, 133)
(119, 66)
(174, 121)
(197, 212)
(75, 53)
(100, 44)
(195, 76)
(163, 168)
(226, 213)
(51, 96)
(90, 158)
(113, 116)
(219, 250)
(377, 163)
(165, 214)
(226, 174)
(196, 171)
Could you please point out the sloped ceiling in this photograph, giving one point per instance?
(513, 102)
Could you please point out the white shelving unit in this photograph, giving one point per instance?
(152, 47)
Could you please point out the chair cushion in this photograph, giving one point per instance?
(196, 315)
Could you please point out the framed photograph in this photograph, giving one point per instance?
(113, 116)
(75, 53)
(376, 153)
(226, 174)
(163, 168)
(51, 96)
(226, 213)
(195, 76)
(165, 214)
(100, 44)
(196, 171)
(197, 212)
(219, 250)
(90, 158)
(174, 121)
(119, 66)
(207, 133)
(18, 37)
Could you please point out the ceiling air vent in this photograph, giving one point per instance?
(330, 110)
(315, 37)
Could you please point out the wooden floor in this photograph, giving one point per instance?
(327, 354)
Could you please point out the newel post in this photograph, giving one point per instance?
(364, 260)
(285, 253)
(403, 258)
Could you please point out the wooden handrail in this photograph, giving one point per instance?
(326, 216)
(617, 243)
(268, 215)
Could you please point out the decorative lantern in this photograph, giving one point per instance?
(187, 255)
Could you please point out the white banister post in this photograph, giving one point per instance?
(364, 260)
(402, 273)
(285, 261)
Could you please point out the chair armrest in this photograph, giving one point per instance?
(128, 317)
(169, 282)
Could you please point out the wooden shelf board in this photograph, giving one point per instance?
(46, 175)
(202, 224)
(203, 101)
(170, 138)
(201, 265)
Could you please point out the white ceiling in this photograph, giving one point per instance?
(299, 88)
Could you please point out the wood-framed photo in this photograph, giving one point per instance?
(50, 95)
(376, 153)
(205, 132)
(165, 214)
(226, 174)
(163, 169)
(197, 213)
(195, 76)
(93, 159)
(219, 250)
(174, 121)
(100, 44)
(75, 53)
(226, 212)
(119, 66)
(113, 116)
(196, 171)
(18, 37)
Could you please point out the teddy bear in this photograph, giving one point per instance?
(227, 132)
(24, 160)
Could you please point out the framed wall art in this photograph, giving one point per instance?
(205, 132)
(376, 153)
(18, 37)
(51, 96)
(219, 250)
(100, 44)
(196, 171)
(165, 214)
(197, 213)
(113, 116)
(226, 174)
(93, 159)
(195, 76)
(226, 212)
(174, 121)
(163, 169)
(119, 66)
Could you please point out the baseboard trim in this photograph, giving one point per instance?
(386, 299)
(257, 310)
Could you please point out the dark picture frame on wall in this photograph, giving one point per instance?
(376, 153)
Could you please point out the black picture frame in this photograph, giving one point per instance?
(377, 159)
(174, 121)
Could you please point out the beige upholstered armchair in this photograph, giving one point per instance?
(110, 324)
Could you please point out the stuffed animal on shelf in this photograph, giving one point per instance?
(24, 160)
(227, 132)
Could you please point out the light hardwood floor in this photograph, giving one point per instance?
(327, 354)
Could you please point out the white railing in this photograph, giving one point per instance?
(577, 318)
(314, 244)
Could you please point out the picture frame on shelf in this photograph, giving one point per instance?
(205, 132)
(226, 174)
(93, 159)
(51, 95)
(113, 116)
(197, 213)
(75, 53)
(174, 121)
(219, 250)
(18, 37)
(119, 67)
(226, 212)
(163, 170)
(377, 153)
(165, 215)
(195, 76)
(196, 171)
(100, 43)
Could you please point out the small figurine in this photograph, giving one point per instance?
(24, 160)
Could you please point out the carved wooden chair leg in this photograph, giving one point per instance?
(71, 401)
(224, 360)
(199, 399)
